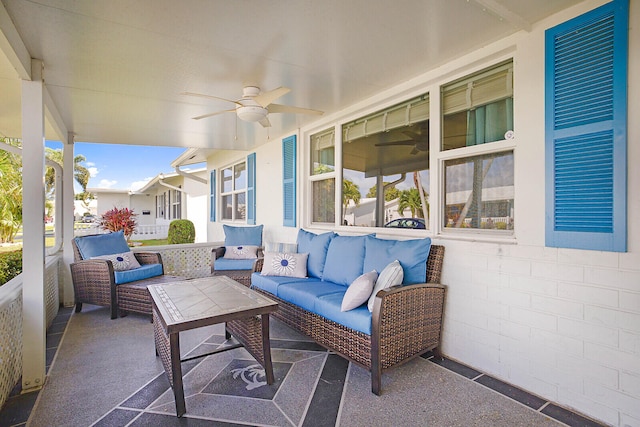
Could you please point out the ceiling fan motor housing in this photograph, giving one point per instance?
(251, 113)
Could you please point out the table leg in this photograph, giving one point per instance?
(266, 348)
(176, 374)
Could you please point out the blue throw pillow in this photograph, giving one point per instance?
(412, 255)
(316, 246)
(345, 258)
(237, 236)
(102, 244)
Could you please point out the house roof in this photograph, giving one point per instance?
(115, 71)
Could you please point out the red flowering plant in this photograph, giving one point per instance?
(119, 219)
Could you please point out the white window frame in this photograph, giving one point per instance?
(232, 193)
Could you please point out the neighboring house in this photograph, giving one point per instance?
(80, 208)
(164, 198)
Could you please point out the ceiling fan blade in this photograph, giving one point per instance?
(278, 108)
(265, 122)
(385, 144)
(267, 98)
(204, 116)
(200, 95)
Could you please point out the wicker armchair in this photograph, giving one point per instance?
(94, 283)
(241, 276)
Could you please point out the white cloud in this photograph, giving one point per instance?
(136, 185)
(105, 183)
(93, 171)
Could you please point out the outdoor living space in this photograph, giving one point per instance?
(497, 131)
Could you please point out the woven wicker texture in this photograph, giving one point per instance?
(163, 348)
(249, 332)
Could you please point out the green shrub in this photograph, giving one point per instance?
(181, 231)
(10, 265)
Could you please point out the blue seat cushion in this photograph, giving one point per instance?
(329, 306)
(144, 272)
(412, 255)
(238, 236)
(102, 244)
(271, 283)
(304, 293)
(316, 246)
(222, 264)
(345, 258)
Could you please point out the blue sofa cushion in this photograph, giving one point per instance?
(271, 283)
(223, 264)
(316, 246)
(329, 306)
(237, 236)
(412, 255)
(102, 244)
(305, 292)
(345, 258)
(144, 272)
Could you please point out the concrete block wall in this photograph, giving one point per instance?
(563, 324)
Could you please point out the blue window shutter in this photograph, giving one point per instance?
(212, 195)
(289, 181)
(251, 188)
(586, 130)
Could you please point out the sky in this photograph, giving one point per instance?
(123, 167)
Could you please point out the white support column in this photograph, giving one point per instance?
(33, 294)
(68, 219)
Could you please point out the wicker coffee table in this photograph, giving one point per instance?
(195, 303)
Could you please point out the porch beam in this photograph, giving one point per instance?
(13, 47)
(53, 116)
(33, 289)
(67, 202)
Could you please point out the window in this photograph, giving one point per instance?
(160, 206)
(212, 195)
(478, 186)
(385, 162)
(479, 192)
(323, 176)
(233, 192)
(176, 205)
(478, 109)
(586, 130)
(237, 185)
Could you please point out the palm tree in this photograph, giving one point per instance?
(350, 192)
(389, 194)
(80, 173)
(10, 192)
(410, 199)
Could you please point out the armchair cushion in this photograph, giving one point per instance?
(236, 236)
(121, 262)
(241, 252)
(144, 272)
(102, 244)
(225, 264)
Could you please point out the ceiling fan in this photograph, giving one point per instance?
(419, 142)
(254, 106)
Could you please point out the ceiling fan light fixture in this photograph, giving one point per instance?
(251, 113)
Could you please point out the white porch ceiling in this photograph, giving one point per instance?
(116, 69)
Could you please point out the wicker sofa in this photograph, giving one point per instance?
(95, 281)
(406, 320)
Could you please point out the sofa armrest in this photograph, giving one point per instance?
(148, 258)
(218, 252)
(406, 320)
(96, 270)
(257, 266)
